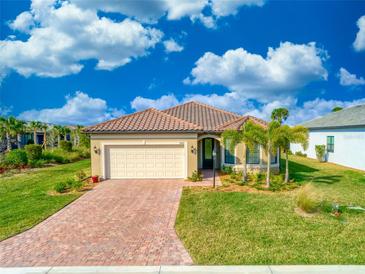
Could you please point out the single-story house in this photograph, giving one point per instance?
(343, 134)
(171, 143)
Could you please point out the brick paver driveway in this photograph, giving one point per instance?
(120, 222)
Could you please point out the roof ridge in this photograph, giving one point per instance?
(176, 118)
(232, 121)
(204, 105)
(122, 116)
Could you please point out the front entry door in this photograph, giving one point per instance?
(208, 146)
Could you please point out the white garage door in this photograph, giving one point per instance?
(147, 161)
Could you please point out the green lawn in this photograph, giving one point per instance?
(254, 228)
(25, 199)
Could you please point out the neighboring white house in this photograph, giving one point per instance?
(343, 134)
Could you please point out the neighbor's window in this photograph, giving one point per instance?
(253, 157)
(274, 158)
(330, 143)
(228, 153)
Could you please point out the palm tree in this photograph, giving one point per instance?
(34, 126)
(288, 135)
(19, 128)
(66, 131)
(11, 126)
(280, 115)
(267, 137)
(235, 137)
(57, 131)
(44, 127)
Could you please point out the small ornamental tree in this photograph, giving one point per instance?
(320, 152)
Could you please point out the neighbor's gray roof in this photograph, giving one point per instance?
(349, 117)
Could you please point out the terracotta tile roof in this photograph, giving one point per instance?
(238, 123)
(188, 117)
(148, 120)
(203, 115)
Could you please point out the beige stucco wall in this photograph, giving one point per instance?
(98, 140)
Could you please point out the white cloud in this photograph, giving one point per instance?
(348, 79)
(23, 22)
(65, 35)
(149, 11)
(232, 101)
(172, 46)
(80, 109)
(359, 43)
(224, 7)
(283, 71)
(317, 108)
(165, 101)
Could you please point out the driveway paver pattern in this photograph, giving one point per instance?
(120, 222)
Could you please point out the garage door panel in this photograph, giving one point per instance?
(149, 161)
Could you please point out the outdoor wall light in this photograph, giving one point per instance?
(96, 150)
(193, 150)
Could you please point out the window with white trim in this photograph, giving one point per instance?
(229, 157)
(253, 157)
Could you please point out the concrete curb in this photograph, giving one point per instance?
(249, 269)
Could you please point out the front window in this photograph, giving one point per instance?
(330, 143)
(253, 157)
(274, 158)
(228, 152)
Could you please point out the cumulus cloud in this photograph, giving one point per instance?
(232, 101)
(359, 43)
(348, 79)
(165, 101)
(148, 11)
(172, 46)
(224, 7)
(283, 71)
(62, 36)
(80, 109)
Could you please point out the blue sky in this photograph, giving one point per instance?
(82, 62)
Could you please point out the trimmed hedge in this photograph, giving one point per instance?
(34, 152)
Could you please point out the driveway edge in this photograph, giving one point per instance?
(247, 269)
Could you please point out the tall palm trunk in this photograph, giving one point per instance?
(45, 139)
(8, 142)
(268, 166)
(244, 170)
(58, 140)
(19, 140)
(286, 166)
(35, 137)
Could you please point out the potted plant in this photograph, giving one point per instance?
(95, 179)
(320, 152)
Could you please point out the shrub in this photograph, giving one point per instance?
(74, 184)
(320, 151)
(196, 176)
(308, 199)
(227, 169)
(34, 152)
(61, 187)
(84, 152)
(258, 177)
(80, 175)
(301, 154)
(65, 145)
(16, 158)
(52, 157)
(36, 163)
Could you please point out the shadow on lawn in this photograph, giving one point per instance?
(304, 174)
